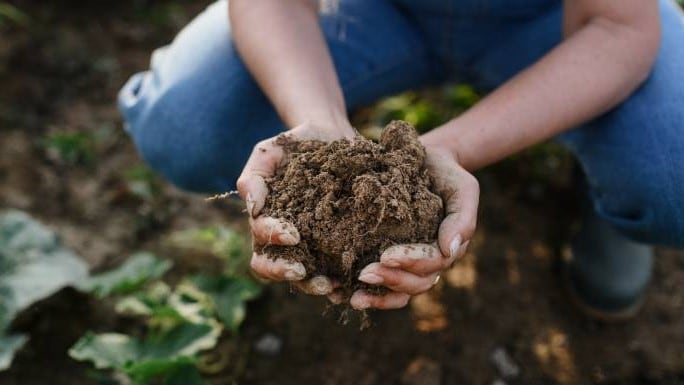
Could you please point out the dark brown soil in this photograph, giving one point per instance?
(505, 294)
(351, 199)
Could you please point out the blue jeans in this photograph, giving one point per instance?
(196, 114)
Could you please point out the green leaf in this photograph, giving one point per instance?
(229, 296)
(70, 147)
(159, 349)
(105, 351)
(182, 340)
(33, 266)
(180, 371)
(9, 345)
(184, 375)
(131, 276)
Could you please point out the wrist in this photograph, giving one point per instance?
(332, 123)
(442, 141)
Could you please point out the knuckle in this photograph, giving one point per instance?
(255, 264)
(423, 287)
(242, 184)
(472, 182)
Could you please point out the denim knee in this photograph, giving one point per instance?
(198, 136)
(175, 134)
(649, 209)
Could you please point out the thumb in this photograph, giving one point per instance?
(261, 164)
(460, 192)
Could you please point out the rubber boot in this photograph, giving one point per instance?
(608, 274)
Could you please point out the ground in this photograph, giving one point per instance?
(501, 314)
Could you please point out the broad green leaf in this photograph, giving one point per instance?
(105, 351)
(229, 296)
(111, 350)
(33, 266)
(166, 308)
(180, 371)
(132, 275)
(184, 375)
(183, 340)
(9, 345)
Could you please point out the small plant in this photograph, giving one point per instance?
(33, 266)
(70, 147)
(180, 322)
(142, 182)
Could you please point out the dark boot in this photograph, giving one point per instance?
(608, 274)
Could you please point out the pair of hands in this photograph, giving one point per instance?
(406, 270)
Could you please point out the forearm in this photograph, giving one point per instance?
(590, 72)
(282, 45)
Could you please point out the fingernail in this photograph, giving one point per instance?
(454, 246)
(250, 204)
(370, 278)
(295, 273)
(320, 285)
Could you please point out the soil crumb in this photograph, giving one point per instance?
(351, 199)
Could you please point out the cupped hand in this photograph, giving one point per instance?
(262, 163)
(408, 270)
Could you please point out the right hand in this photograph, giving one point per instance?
(251, 185)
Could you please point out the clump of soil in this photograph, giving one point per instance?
(351, 199)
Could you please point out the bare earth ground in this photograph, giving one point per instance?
(61, 74)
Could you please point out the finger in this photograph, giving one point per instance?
(262, 163)
(318, 285)
(253, 189)
(274, 231)
(461, 204)
(277, 269)
(417, 258)
(361, 300)
(396, 279)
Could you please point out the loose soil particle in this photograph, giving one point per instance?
(351, 199)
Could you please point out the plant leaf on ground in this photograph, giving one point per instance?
(33, 266)
(165, 353)
(9, 345)
(229, 296)
(142, 182)
(70, 147)
(139, 269)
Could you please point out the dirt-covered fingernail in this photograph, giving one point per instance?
(295, 272)
(369, 269)
(454, 246)
(371, 278)
(249, 200)
(320, 285)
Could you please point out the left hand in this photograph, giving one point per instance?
(408, 270)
